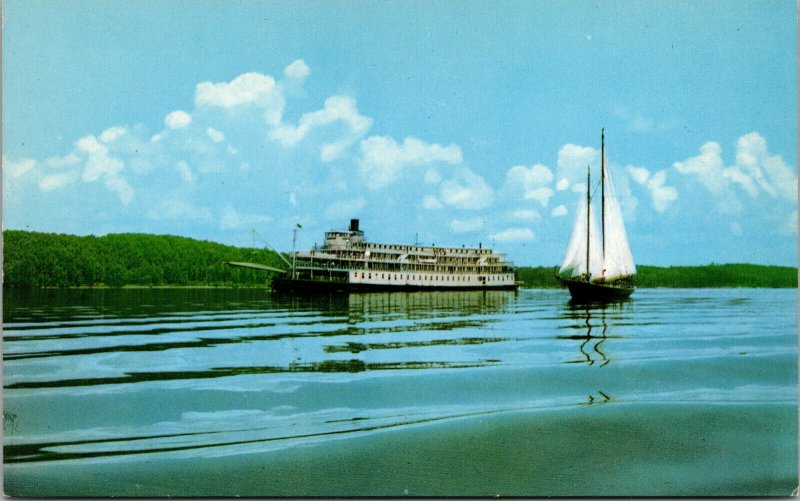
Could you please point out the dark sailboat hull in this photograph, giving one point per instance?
(589, 292)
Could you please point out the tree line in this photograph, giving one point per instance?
(711, 275)
(32, 259)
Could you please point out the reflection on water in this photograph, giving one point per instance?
(92, 376)
(594, 331)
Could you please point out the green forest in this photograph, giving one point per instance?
(712, 275)
(52, 260)
(32, 259)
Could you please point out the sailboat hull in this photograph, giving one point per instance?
(588, 292)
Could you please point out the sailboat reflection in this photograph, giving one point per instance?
(592, 336)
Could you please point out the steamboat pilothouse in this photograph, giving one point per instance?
(347, 262)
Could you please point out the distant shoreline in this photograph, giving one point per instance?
(33, 260)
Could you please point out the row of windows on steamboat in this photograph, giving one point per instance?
(446, 278)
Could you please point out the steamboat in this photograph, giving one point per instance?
(347, 262)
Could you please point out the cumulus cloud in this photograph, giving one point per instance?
(178, 119)
(753, 158)
(432, 176)
(100, 164)
(297, 70)
(112, 134)
(466, 225)
(52, 182)
(248, 89)
(215, 135)
(430, 202)
(572, 161)
(754, 172)
(639, 174)
(532, 182)
(383, 159)
(514, 235)
(337, 109)
(563, 184)
(466, 191)
(662, 196)
(19, 168)
(559, 211)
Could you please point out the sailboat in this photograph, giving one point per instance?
(599, 268)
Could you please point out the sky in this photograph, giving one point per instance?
(440, 122)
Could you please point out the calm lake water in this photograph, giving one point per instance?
(241, 392)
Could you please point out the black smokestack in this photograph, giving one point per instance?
(354, 225)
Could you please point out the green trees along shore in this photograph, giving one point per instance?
(32, 259)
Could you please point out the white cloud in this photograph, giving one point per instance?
(753, 158)
(430, 202)
(297, 70)
(215, 135)
(63, 162)
(248, 89)
(178, 119)
(120, 186)
(530, 182)
(100, 164)
(89, 144)
(563, 184)
(661, 195)
(345, 209)
(572, 162)
(337, 109)
(112, 134)
(432, 176)
(52, 182)
(466, 225)
(755, 171)
(467, 191)
(514, 235)
(382, 159)
(559, 211)
(19, 168)
(525, 215)
(541, 195)
(639, 174)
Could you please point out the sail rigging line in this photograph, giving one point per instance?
(603, 192)
(588, 215)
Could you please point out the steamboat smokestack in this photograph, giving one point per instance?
(354, 225)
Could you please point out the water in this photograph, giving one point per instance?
(239, 392)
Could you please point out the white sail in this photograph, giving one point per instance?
(617, 259)
(574, 263)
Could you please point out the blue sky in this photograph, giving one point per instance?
(451, 122)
